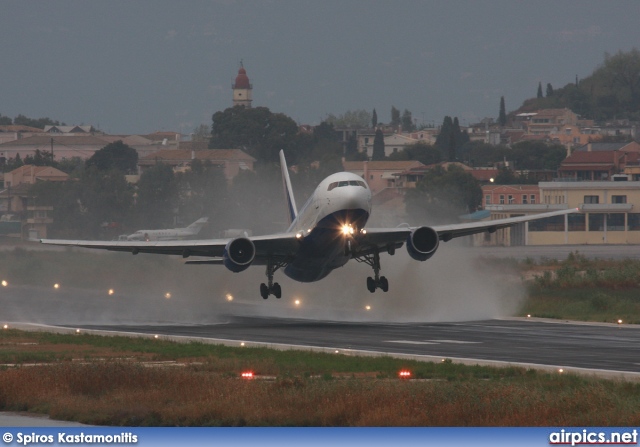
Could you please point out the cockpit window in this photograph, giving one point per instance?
(346, 183)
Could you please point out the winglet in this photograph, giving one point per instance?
(292, 210)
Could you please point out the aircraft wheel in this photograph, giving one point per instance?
(277, 290)
(264, 291)
(384, 284)
(371, 284)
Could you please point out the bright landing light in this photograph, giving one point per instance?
(56, 286)
(111, 292)
(167, 295)
(297, 302)
(229, 297)
(347, 230)
(4, 283)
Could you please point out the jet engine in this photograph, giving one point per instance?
(422, 243)
(239, 254)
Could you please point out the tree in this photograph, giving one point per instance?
(395, 117)
(258, 193)
(611, 91)
(420, 151)
(407, 122)
(535, 155)
(116, 155)
(374, 119)
(5, 120)
(351, 118)
(450, 138)
(351, 149)
(257, 131)
(157, 194)
(201, 133)
(442, 195)
(73, 166)
(378, 146)
(539, 94)
(549, 90)
(82, 206)
(202, 192)
(39, 123)
(459, 137)
(502, 116)
(40, 158)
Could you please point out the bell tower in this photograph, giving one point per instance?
(242, 89)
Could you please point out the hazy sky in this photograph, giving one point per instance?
(141, 66)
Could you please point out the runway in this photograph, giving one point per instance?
(339, 323)
(590, 348)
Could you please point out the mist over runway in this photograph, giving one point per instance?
(453, 306)
(524, 342)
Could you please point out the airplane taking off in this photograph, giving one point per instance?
(325, 234)
(170, 234)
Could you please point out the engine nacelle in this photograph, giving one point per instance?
(239, 254)
(422, 243)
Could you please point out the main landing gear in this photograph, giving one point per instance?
(377, 282)
(271, 288)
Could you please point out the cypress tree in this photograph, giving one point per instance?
(378, 146)
(395, 117)
(539, 89)
(502, 117)
(374, 119)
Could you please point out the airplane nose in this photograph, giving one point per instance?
(355, 198)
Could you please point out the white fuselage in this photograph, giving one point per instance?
(339, 205)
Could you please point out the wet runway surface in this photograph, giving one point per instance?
(601, 347)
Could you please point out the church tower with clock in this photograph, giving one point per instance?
(242, 89)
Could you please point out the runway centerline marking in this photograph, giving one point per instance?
(433, 342)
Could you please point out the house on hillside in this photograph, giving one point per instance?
(230, 161)
(15, 132)
(546, 121)
(380, 174)
(16, 200)
(599, 161)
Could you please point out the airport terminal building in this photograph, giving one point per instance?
(609, 214)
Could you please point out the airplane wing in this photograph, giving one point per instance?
(380, 239)
(279, 246)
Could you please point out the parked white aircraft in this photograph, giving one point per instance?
(169, 234)
(325, 234)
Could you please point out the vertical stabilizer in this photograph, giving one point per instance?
(292, 210)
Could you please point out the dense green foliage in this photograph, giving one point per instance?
(612, 91)
(258, 131)
(116, 155)
(443, 195)
(451, 139)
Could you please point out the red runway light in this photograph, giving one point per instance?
(404, 374)
(247, 375)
